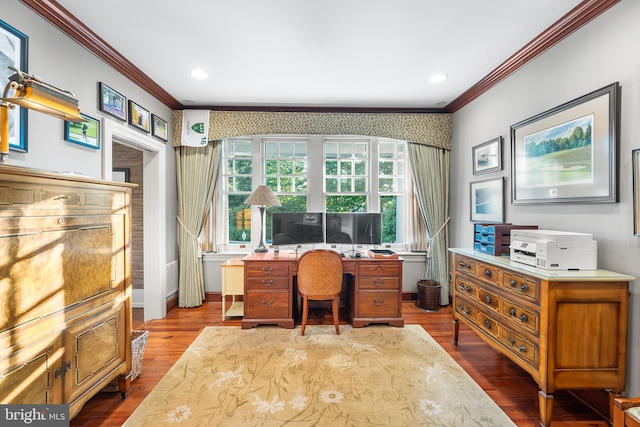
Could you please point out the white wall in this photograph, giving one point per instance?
(602, 52)
(62, 62)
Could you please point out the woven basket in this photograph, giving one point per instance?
(138, 345)
(428, 295)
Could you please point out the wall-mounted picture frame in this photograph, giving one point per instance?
(568, 154)
(487, 200)
(159, 128)
(120, 174)
(139, 117)
(635, 161)
(487, 157)
(84, 133)
(112, 102)
(14, 52)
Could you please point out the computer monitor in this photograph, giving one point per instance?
(297, 228)
(339, 228)
(367, 228)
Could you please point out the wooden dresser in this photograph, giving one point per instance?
(65, 324)
(568, 329)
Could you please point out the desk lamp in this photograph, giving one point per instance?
(262, 196)
(32, 93)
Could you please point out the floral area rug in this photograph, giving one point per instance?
(269, 376)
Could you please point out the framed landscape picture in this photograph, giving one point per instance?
(159, 128)
(14, 52)
(138, 117)
(113, 102)
(487, 200)
(487, 157)
(83, 133)
(569, 153)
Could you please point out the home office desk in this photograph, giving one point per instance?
(374, 289)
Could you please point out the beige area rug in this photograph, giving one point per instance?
(270, 376)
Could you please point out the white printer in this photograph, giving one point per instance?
(554, 250)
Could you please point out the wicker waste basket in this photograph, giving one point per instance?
(138, 345)
(428, 295)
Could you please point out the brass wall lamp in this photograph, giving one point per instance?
(34, 94)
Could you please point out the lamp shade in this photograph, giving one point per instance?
(262, 196)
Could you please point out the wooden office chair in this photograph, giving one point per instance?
(626, 412)
(320, 278)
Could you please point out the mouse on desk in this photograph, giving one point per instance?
(358, 255)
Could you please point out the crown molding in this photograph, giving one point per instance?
(574, 19)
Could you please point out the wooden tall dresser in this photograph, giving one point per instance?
(65, 290)
(568, 329)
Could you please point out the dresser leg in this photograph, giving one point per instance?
(546, 408)
(456, 330)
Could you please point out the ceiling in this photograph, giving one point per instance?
(329, 53)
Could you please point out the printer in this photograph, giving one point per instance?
(554, 250)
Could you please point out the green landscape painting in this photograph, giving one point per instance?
(560, 155)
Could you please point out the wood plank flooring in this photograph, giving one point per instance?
(505, 382)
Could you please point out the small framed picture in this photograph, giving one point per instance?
(138, 117)
(113, 102)
(487, 157)
(487, 201)
(83, 133)
(159, 128)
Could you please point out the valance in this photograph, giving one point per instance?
(433, 129)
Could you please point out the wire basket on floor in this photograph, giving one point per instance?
(138, 345)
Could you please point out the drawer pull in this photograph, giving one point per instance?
(524, 288)
(467, 266)
(267, 283)
(267, 304)
(62, 198)
(524, 318)
(378, 303)
(465, 310)
(487, 324)
(487, 299)
(464, 288)
(512, 341)
(522, 349)
(58, 372)
(487, 273)
(266, 270)
(512, 312)
(67, 366)
(381, 267)
(379, 282)
(513, 283)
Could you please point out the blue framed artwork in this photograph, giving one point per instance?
(487, 200)
(83, 133)
(14, 52)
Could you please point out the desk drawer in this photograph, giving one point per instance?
(266, 283)
(378, 283)
(521, 347)
(267, 269)
(379, 303)
(267, 305)
(379, 268)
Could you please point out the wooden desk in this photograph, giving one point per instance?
(374, 293)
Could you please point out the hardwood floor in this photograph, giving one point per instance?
(505, 382)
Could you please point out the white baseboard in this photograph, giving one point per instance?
(137, 298)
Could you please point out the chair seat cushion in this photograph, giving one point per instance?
(634, 413)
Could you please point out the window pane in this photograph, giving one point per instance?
(341, 203)
(346, 168)
(286, 167)
(388, 206)
(385, 168)
(239, 219)
(243, 183)
(360, 168)
(271, 167)
(331, 168)
(346, 185)
(360, 185)
(331, 185)
(242, 166)
(242, 148)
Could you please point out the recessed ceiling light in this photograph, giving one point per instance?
(199, 74)
(437, 78)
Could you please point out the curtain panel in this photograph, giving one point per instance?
(432, 129)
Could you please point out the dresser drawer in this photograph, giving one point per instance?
(267, 305)
(379, 303)
(267, 282)
(465, 265)
(489, 299)
(466, 310)
(489, 273)
(267, 269)
(465, 287)
(521, 285)
(489, 325)
(378, 283)
(528, 319)
(379, 268)
(520, 346)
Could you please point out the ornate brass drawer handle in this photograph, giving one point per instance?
(267, 270)
(62, 198)
(267, 304)
(378, 303)
(378, 282)
(267, 283)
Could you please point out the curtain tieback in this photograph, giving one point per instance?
(190, 234)
(434, 236)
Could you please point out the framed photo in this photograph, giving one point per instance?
(138, 117)
(487, 200)
(568, 154)
(635, 160)
(113, 102)
(83, 133)
(159, 128)
(487, 157)
(14, 52)
(120, 174)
